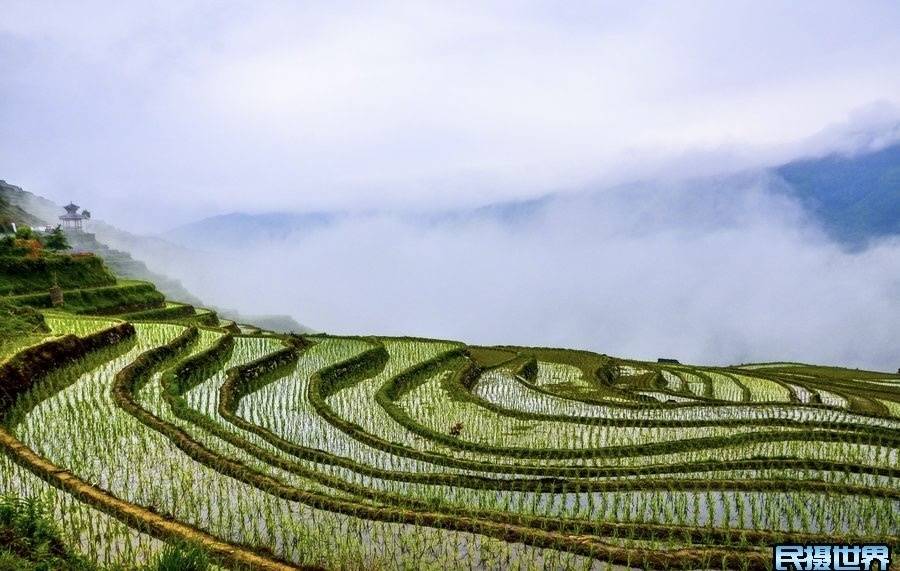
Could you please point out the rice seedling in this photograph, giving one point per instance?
(414, 453)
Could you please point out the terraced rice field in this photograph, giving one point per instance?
(401, 453)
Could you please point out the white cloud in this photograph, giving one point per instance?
(716, 273)
(417, 104)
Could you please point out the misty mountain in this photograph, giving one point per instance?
(511, 212)
(856, 198)
(20, 207)
(157, 252)
(233, 230)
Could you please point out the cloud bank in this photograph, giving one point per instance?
(717, 272)
(157, 114)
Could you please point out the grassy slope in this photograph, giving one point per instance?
(88, 286)
(124, 296)
(19, 275)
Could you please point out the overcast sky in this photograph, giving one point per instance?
(155, 113)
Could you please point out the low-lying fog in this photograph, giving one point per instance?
(724, 272)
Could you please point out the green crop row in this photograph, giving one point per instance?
(106, 300)
(287, 452)
(19, 275)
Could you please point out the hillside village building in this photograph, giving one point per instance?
(72, 220)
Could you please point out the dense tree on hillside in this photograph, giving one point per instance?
(56, 240)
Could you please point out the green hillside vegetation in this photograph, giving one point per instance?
(19, 274)
(31, 261)
(28, 210)
(31, 264)
(122, 297)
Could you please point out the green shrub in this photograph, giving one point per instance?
(181, 557)
(30, 538)
(56, 240)
(9, 561)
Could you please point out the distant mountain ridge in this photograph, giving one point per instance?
(237, 229)
(855, 198)
(232, 230)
